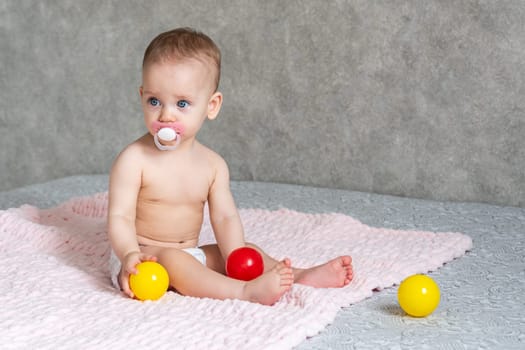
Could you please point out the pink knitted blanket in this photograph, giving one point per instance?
(55, 289)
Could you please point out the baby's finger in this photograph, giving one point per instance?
(131, 266)
(124, 284)
(148, 257)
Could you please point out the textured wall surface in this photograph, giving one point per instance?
(412, 98)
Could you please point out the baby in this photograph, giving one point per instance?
(160, 183)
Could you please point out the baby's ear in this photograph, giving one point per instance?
(214, 105)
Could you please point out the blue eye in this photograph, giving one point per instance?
(182, 104)
(154, 102)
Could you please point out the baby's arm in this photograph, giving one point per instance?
(124, 184)
(224, 216)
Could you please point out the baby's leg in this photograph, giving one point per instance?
(189, 277)
(335, 273)
(332, 274)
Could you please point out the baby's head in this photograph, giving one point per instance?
(181, 44)
(180, 77)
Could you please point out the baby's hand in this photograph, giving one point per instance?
(129, 267)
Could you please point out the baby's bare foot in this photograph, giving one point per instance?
(335, 273)
(268, 288)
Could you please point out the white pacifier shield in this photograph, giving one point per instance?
(161, 147)
(167, 134)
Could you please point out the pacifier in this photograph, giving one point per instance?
(167, 132)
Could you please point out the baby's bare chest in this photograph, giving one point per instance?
(176, 185)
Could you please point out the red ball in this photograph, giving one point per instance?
(244, 264)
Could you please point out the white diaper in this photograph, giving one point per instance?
(114, 263)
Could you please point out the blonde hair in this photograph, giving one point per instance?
(183, 43)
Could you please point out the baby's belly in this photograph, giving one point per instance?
(168, 225)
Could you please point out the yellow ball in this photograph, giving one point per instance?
(418, 295)
(150, 282)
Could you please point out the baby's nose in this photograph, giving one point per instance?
(168, 115)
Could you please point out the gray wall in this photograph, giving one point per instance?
(412, 98)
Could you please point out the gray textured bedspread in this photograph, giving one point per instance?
(482, 304)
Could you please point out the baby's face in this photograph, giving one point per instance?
(177, 92)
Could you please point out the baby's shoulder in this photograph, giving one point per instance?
(133, 152)
(212, 157)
